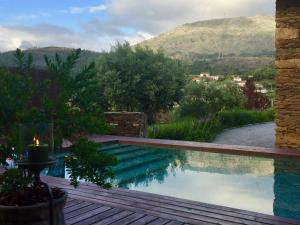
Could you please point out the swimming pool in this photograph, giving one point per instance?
(264, 185)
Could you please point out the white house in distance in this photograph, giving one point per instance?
(205, 75)
(240, 82)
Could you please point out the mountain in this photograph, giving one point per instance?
(7, 58)
(221, 42)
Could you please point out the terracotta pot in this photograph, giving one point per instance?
(37, 214)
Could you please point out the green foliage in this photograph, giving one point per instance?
(88, 163)
(68, 98)
(265, 73)
(8, 59)
(207, 98)
(197, 130)
(240, 117)
(185, 129)
(12, 181)
(138, 79)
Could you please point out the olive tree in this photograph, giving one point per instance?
(139, 79)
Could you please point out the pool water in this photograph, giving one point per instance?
(264, 185)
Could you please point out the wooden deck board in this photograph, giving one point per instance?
(90, 204)
(201, 146)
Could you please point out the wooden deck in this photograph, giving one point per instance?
(201, 146)
(90, 204)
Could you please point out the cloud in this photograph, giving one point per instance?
(30, 16)
(155, 16)
(43, 35)
(132, 20)
(88, 9)
(98, 27)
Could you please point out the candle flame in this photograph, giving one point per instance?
(36, 141)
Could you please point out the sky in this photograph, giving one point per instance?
(98, 24)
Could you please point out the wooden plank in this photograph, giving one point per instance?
(129, 219)
(114, 218)
(174, 223)
(76, 207)
(196, 205)
(99, 217)
(159, 221)
(80, 211)
(87, 214)
(201, 146)
(161, 212)
(253, 220)
(144, 220)
(204, 216)
(72, 203)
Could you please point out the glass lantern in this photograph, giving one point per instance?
(36, 142)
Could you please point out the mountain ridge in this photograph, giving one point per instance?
(238, 35)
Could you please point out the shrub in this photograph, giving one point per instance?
(242, 117)
(206, 98)
(197, 130)
(88, 163)
(187, 129)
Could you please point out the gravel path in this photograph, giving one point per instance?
(262, 135)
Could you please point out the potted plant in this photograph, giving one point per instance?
(23, 203)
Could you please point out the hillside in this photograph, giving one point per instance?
(7, 58)
(221, 42)
(220, 46)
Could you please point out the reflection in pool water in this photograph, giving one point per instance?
(251, 183)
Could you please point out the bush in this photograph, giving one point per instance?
(196, 130)
(242, 117)
(187, 129)
(206, 98)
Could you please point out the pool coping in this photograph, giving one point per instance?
(200, 146)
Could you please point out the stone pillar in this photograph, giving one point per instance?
(287, 100)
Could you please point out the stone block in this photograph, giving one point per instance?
(132, 124)
(287, 33)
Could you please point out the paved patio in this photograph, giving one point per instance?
(260, 135)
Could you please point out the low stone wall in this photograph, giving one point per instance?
(287, 100)
(131, 124)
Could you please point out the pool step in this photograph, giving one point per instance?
(124, 150)
(136, 154)
(124, 166)
(142, 173)
(112, 147)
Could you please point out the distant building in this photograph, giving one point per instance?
(205, 75)
(237, 79)
(241, 83)
(196, 79)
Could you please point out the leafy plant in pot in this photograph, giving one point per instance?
(24, 203)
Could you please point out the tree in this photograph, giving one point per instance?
(60, 95)
(254, 99)
(265, 73)
(207, 98)
(139, 79)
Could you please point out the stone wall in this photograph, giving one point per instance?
(131, 124)
(287, 100)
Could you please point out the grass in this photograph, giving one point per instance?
(190, 129)
(186, 129)
(237, 118)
